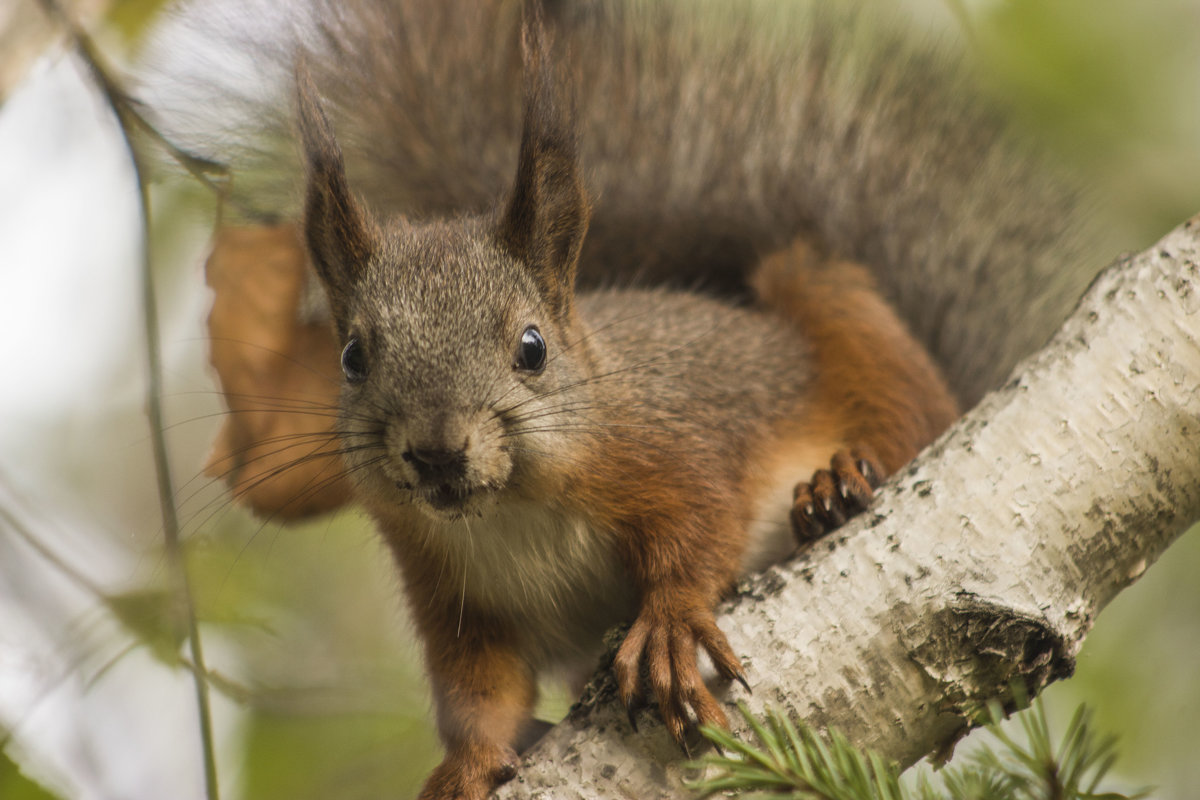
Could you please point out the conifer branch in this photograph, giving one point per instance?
(793, 760)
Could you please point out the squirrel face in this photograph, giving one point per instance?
(459, 376)
(463, 357)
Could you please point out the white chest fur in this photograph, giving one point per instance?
(554, 575)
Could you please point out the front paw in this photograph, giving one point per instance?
(836, 494)
(471, 773)
(664, 637)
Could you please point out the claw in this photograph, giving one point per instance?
(683, 745)
(740, 678)
(834, 495)
(665, 641)
(676, 727)
(506, 772)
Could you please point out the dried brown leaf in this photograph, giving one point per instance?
(277, 449)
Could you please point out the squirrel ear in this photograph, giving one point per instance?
(340, 235)
(546, 217)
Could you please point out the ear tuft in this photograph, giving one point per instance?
(341, 237)
(546, 217)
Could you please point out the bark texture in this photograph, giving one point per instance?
(986, 559)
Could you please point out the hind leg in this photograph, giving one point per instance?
(874, 387)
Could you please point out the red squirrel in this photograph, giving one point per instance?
(545, 463)
(547, 455)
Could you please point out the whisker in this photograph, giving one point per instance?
(289, 442)
(286, 357)
(660, 358)
(558, 353)
(674, 455)
(257, 480)
(466, 564)
(272, 518)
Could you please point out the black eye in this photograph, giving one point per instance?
(531, 355)
(354, 362)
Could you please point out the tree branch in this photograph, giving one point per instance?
(986, 560)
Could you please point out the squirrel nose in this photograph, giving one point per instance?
(437, 463)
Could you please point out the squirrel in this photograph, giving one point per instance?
(547, 455)
(546, 464)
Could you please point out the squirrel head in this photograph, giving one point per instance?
(462, 352)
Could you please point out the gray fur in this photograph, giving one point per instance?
(710, 132)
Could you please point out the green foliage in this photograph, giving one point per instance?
(1107, 85)
(15, 786)
(1137, 670)
(149, 616)
(1032, 767)
(335, 706)
(794, 761)
(132, 19)
(365, 755)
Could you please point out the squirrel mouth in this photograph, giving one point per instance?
(447, 498)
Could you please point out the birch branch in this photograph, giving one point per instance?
(986, 560)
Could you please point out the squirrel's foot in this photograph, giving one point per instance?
(471, 772)
(664, 637)
(836, 494)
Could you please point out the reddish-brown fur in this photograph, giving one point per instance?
(484, 689)
(873, 380)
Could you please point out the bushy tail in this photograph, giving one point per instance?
(712, 132)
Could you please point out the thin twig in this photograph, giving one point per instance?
(226, 686)
(62, 565)
(128, 118)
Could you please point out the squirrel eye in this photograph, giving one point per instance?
(531, 355)
(354, 361)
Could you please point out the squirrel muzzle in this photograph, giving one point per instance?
(452, 467)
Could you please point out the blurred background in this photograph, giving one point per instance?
(317, 689)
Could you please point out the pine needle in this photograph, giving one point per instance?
(792, 760)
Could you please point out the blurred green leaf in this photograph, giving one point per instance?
(1137, 669)
(147, 613)
(1111, 87)
(133, 18)
(15, 786)
(1064, 61)
(348, 756)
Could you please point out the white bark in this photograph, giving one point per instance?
(987, 559)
